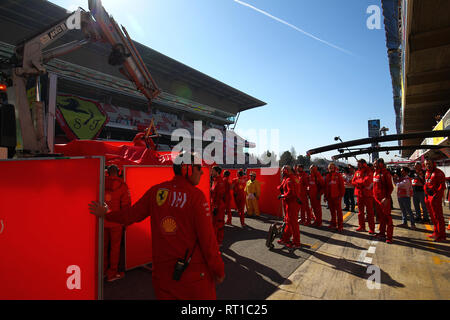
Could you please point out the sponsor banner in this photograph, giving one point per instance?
(80, 118)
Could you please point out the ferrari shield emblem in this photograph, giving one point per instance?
(161, 196)
(80, 118)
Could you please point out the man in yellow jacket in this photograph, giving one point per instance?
(253, 191)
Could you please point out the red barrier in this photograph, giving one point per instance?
(138, 243)
(233, 174)
(268, 201)
(48, 239)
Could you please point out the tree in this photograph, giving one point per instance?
(286, 159)
(304, 161)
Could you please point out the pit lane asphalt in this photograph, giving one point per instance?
(252, 270)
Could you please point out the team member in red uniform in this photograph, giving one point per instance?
(117, 197)
(290, 195)
(434, 192)
(306, 214)
(238, 187)
(227, 182)
(363, 182)
(181, 230)
(218, 205)
(382, 190)
(315, 191)
(334, 192)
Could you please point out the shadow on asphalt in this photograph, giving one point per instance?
(354, 268)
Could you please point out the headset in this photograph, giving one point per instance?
(186, 170)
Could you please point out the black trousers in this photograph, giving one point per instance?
(349, 198)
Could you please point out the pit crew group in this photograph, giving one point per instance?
(373, 187)
(187, 262)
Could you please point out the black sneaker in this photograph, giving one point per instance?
(427, 220)
(418, 219)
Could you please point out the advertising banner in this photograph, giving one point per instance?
(80, 118)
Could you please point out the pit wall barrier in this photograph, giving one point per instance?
(138, 236)
(49, 242)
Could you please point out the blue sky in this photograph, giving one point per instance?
(313, 90)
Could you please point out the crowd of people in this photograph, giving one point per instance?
(189, 231)
(373, 185)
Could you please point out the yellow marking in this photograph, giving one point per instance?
(429, 228)
(346, 215)
(438, 260)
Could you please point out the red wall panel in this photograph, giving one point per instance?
(46, 228)
(138, 235)
(233, 174)
(268, 202)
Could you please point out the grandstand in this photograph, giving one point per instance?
(187, 94)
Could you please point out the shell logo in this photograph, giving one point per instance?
(108, 197)
(169, 225)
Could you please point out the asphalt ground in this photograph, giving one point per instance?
(252, 270)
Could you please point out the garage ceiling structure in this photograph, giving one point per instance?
(21, 19)
(425, 65)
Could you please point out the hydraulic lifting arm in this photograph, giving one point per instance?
(30, 57)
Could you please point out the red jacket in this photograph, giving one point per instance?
(218, 193)
(434, 183)
(117, 196)
(290, 187)
(334, 185)
(316, 184)
(238, 188)
(180, 220)
(304, 184)
(226, 181)
(363, 182)
(382, 184)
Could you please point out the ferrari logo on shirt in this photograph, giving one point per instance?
(161, 196)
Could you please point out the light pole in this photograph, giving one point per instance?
(339, 138)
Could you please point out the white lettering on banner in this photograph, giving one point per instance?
(74, 281)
